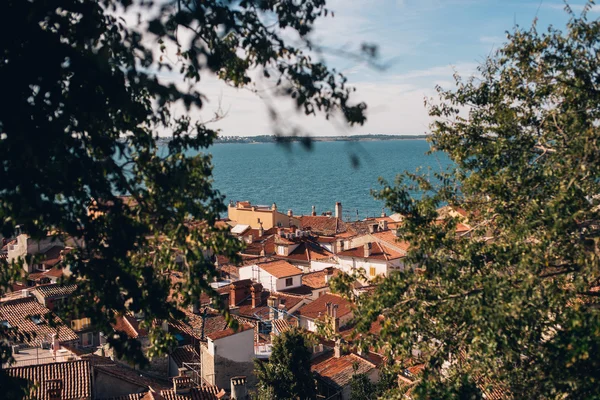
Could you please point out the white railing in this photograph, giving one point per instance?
(263, 350)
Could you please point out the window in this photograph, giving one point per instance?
(372, 271)
(36, 319)
(87, 339)
(289, 281)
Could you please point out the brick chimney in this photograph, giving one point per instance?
(256, 293)
(232, 299)
(314, 211)
(338, 210)
(367, 250)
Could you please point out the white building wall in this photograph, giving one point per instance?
(268, 281)
(238, 347)
(349, 264)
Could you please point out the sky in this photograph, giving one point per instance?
(421, 43)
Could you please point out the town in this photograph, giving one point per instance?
(282, 283)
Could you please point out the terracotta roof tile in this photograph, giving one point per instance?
(130, 326)
(319, 306)
(338, 372)
(280, 268)
(193, 323)
(323, 225)
(124, 372)
(185, 354)
(55, 290)
(390, 238)
(316, 280)
(30, 317)
(378, 252)
(229, 332)
(72, 378)
(308, 251)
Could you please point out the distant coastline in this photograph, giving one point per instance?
(287, 139)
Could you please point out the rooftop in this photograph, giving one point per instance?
(55, 290)
(338, 372)
(29, 317)
(72, 378)
(378, 252)
(318, 307)
(280, 268)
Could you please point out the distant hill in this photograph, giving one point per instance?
(274, 139)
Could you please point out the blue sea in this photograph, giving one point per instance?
(297, 179)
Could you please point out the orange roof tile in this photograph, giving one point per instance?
(338, 372)
(71, 378)
(316, 280)
(280, 268)
(319, 306)
(30, 317)
(378, 252)
(229, 332)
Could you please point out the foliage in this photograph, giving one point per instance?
(511, 304)
(84, 108)
(287, 374)
(361, 388)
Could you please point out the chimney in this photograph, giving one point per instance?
(338, 210)
(182, 384)
(314, 211)
(367, 249)
(274, 207)
(372, 228)
(337, 349)
(273, 303)
(335, 321)
(256, 292)
(383, 225)
(328, 274)
(290, 213)
(383, 214)
(328, 308)
(238, 388)
(261, 230)
(232, 299)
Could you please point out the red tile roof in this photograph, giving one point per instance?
(72, 378)
(30, 317)
(378, 252)
(390, 238)
(229, 332)
(280, 268)
(193, 323)
(185, 354)
(55, 290)
(308, 251)
(288, 301)
(319, 306)
(323, 225)
(316, 280)
(130, 326)
(338, 372)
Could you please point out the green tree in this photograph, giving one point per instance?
(510, 305)
(361, 388)
(82, 109)
(287, 374)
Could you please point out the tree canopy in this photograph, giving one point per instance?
(509, 305)
(287, 374)
(83, 108)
